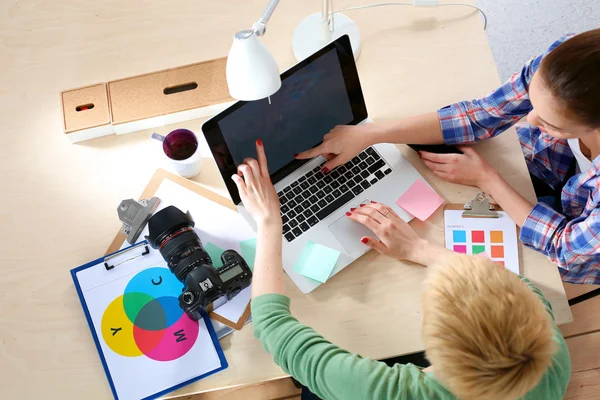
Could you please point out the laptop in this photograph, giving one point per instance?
(316, 95)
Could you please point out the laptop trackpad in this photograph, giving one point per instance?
(349, 233)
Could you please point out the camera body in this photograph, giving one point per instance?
(172, 233)
(204, 284)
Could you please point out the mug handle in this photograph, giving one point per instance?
(158, 137)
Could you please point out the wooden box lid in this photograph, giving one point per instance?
(168, 91)
(85, 108)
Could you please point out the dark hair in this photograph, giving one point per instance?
(572, 73)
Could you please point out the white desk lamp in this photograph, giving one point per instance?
(252, 72)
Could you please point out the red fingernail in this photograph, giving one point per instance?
(259, 142)
(364, 240)
(348, 214)
(296, 155)
(352, 209)
(362, 205)
(324, 170)
(374, 202)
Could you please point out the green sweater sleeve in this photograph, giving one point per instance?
(553, 384)
(332, 373)
(328, 371)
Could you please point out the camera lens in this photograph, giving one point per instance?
(172, 233)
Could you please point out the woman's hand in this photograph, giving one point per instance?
(341, 144)
(398, 239)
(256, 190)
(468, 168)
(260, 198)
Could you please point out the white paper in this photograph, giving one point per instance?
(216, 224)
(454, 221)
(234, 309)
(135, 374)
(223, 330)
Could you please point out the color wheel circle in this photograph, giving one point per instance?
(147, 320)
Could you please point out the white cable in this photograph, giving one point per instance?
(396, 3)
(485, 21)
(388, 3)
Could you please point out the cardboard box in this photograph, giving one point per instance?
(169, 96)
(86, 113)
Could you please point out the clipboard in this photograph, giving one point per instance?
(159, 176)
(127, 346)
(482, 228)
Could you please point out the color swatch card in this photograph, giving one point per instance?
(147, 344)
(495, 238)
(420, 200)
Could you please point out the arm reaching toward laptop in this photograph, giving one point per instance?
(260, 198)
(398, 239)
(346, 141)
(333, 373)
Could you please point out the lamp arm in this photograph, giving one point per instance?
(260, 26)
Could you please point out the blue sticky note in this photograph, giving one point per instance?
(459, 236)
(249, 251)
(316, 261)
(215, 254)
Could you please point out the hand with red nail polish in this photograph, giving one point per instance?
(395, 237)
(257, 191)
(348, 214)
(342, 143)
(324, 170)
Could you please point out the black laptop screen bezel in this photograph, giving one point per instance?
(218, 145)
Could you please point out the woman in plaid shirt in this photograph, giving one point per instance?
(559, 94)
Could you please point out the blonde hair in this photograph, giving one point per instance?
(486, 333)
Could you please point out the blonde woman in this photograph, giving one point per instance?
(488, 333)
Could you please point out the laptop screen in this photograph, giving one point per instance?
(315, 96)
(310, 102)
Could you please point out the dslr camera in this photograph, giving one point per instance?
(172, 233)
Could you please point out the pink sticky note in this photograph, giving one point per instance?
(420, 200)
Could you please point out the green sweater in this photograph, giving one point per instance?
(332, 373)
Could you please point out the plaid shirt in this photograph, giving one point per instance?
(571, 240)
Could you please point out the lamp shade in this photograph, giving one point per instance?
(252, 73)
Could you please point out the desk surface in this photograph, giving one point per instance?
(59, 200)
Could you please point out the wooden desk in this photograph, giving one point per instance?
(59, 200)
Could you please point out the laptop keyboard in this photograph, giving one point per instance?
(315, 196)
